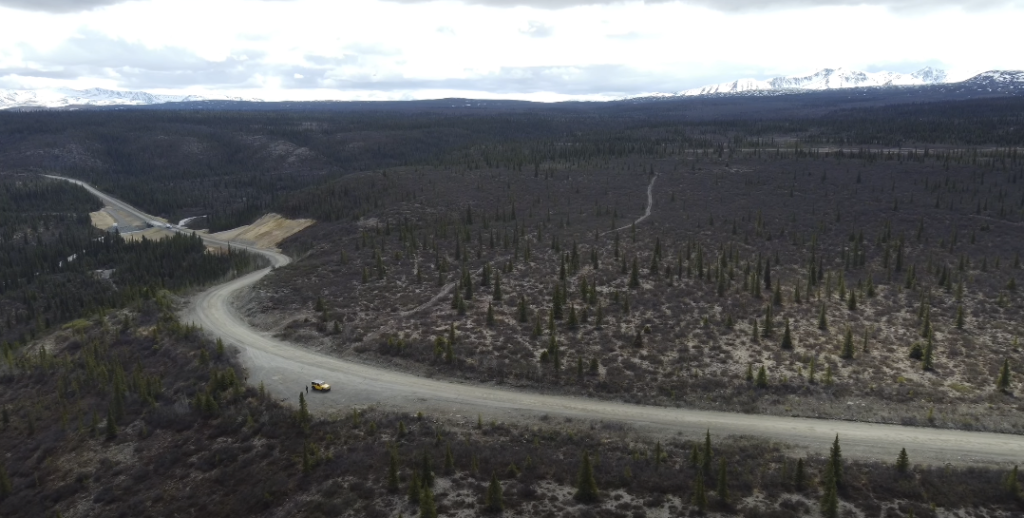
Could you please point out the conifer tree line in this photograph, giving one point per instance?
(51, 260)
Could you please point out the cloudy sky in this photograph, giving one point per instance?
(520, 49)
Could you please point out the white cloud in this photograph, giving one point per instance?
(374, 49)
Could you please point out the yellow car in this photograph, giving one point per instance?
(321, 385)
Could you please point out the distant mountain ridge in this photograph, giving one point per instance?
(841, 78)
(68, 97)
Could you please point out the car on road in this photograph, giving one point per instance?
(321, 385)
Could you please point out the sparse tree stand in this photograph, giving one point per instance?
(1003, 381)
(586, 486)
(494, 500)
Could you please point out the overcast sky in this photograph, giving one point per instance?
(520, 49)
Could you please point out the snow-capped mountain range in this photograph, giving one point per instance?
(66, 97)
(1005, 81)
(824, 79)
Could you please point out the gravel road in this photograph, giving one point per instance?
(286, 369)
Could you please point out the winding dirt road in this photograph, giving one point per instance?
(286, 369)
(647, 211)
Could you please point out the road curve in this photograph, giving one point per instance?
(286, 369)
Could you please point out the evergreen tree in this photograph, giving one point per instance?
(700, 497)
(762, 378)
(750, 372)
(428, 509)
(830, 500)
(847, 352)
(769, 326)
(834, 467)
(523, 317)
(852, 303)
(767, 274)
(960, 317)
(927, 360)
(799, 478)
(1013, 483)
(426, 471)
(634, 275)
(706, 455)
(392, 470)
(787, 339)
(586, 486)
(822, 319)
(490, 314)
(1003, 381)
(723, 483)
(494, 500)
(303, 415)
(902, 461)
(497, 285)
(449, 459)
(111, 429)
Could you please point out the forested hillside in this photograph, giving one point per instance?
(55, 267)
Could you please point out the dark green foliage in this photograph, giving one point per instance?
(902, 461)
(494, 500)
(927, 359)
(799, 477)
(426, 471)
(848, 349)
(787, 339)
(428, 509)
(586, 485)
(762, 378)
(723, 483)
(700, 496)
(392, 470)
(1003, 380)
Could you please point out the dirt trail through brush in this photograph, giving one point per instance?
(647, 212)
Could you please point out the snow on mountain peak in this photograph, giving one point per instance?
(824, 79)
(66, 97)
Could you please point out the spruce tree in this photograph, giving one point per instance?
(799, 478)
(852, 303)
(706, 455)
(490, 314)
(426, 472)
(830, 500)
(960, 317)
(523, 317)
(769, 326)
(634, 275)
(428, 509)
(847, 352)
(927, 360)
(834, 468)
(822, 319)
(762, 378)
(1003, 381)
(449, 459)
(902, 461)
(700, 497)
(586, 486)
(497, 285)
(1013, 483)
(494, 500)
(787, 339)
(723, 483)
(392, 470)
